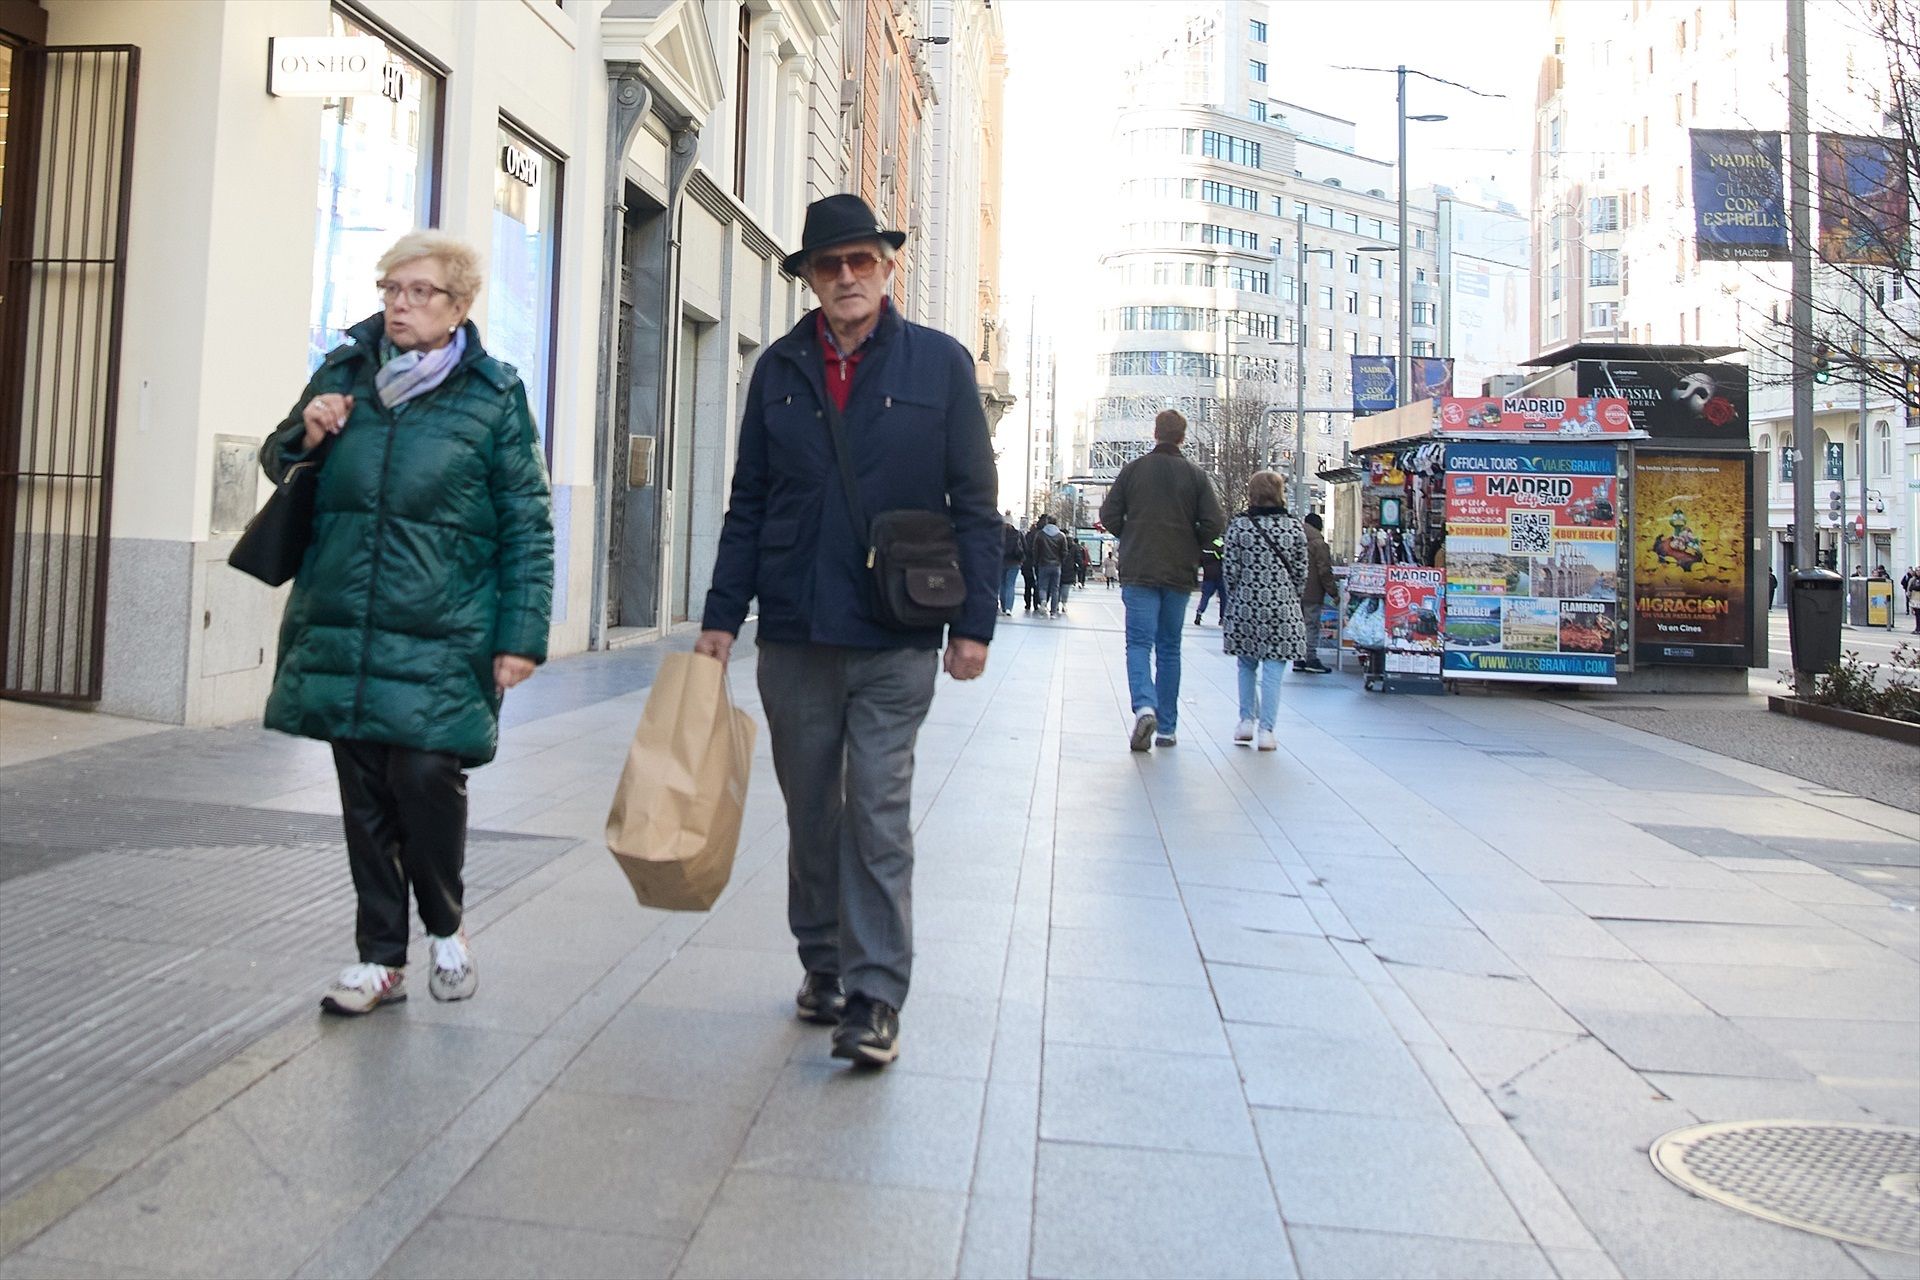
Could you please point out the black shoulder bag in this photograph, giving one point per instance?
(275, 540)
(913, 555)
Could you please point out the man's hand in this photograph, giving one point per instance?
(509, 669)
(966, 659)
(715, 644)
(325, 416)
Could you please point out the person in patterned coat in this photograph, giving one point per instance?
(1264, 565)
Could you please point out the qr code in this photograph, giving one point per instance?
(1530, 533)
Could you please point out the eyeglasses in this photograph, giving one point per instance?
(417, 292)
(827, 265)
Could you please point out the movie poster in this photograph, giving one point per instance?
(1690, 534)
(1532, 577)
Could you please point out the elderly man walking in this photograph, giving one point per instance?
(844, 688)
(1321, 585)
(1164, 510)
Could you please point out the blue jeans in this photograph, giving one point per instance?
(1262, 705)
(1156, 617)
(1047, 587)
(1208, 590)
(1008, 581)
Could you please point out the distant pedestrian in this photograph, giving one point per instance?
(1266, 571)
(1773, 588)
(1110, 568)
(1163, 509)
(845, 688)
(1050, 554)
(1911, 585)
(1320, 587)
(1210, 583)
(1029, 571)
(1083, 563)
(1013, 552)
(423, 598)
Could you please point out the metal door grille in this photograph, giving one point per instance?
(60, 318)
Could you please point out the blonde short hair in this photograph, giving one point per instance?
(460, 260)
(1267, 489)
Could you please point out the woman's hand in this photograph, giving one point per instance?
(509, 669)
(325, 416)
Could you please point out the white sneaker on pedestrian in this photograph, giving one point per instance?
(1243, 732)
(362, 988)
(453, 976)
(1267, 741)
(1144, 723)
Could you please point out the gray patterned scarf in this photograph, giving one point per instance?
(404, 375)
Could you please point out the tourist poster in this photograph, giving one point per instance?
(1739, 200)
(1532, 563)
(1690, 529)
(1534, 415)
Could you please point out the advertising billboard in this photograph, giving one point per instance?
(1547, 415)
(1432, 377)
(1376, 385)
(1691, 401)
(1691, 525)
(1864, 200)
(1532, 563)
(1739, 202)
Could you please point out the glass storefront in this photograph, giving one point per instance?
(378, 171)
(526, 254)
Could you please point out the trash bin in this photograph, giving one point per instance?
(1813, 618)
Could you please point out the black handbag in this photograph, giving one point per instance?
(275, 540)
(913, 555)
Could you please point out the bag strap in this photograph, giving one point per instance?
(837, 427)
(1261, 529)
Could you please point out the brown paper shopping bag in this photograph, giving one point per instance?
(676, 816)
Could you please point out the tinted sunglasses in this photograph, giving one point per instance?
(861, 261)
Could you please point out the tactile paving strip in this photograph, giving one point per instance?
(1851, 1182)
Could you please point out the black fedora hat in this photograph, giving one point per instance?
(839, 219)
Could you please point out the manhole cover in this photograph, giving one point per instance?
(1852, 1182)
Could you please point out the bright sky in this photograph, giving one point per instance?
(1064, 74)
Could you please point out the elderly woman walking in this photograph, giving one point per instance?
(1264, 566)
(423, 597)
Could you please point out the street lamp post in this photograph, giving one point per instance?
(1404, 375)
(1300, 361)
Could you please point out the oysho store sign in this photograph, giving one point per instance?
(325, 66)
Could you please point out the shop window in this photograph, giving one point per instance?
(524, 267)
(379, 178)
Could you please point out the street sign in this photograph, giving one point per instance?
(1859, 526)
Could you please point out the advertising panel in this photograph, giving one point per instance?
(1739, 203)
(1546, 415)
(1432, 377)
(1415, 619)
(1691, 521)
(1864, 201)
(1365, 625)
(1532, 577)
(1376, 385)
(1699, 401)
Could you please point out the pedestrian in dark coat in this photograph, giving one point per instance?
(1265, 569)
(845, 694)
(423, 597)
(1321, 586)
(1029, 569)
(1013, 551)
(1163, 509)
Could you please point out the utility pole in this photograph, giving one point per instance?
(1404, 366)
(1027, 462)
(1860, 374)
(1799, 147)
(1300, 366)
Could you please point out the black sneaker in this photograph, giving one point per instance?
(869, 1032)
(819, 999)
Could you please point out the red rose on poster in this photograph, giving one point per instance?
(1718, 411)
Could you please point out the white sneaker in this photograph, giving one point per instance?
(1144, 723)
(362, 988)
(453, 976)
(1267, 741)
(1243, 732)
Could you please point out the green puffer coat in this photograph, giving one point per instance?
(432, 552)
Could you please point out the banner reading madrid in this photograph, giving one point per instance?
(1376, 385)
(1740, 206)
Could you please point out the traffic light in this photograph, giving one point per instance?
(1833, 503)
(1822, 362)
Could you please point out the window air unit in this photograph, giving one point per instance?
(849, 94)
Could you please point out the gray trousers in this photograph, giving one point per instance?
(843, 724)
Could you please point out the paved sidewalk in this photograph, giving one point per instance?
(1411, 996)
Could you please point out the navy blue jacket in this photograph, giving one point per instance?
(919, 442)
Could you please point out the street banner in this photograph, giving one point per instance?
(1432, 377)
(1739, 202)
(1532, 562)
(1376, 385)
(1547, 415)
(1691, 525)
(1865, 210)
(1673, 401)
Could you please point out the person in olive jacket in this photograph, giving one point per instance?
(423, 597)
(1321, 585)
(1163, 509)
(844, 694)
